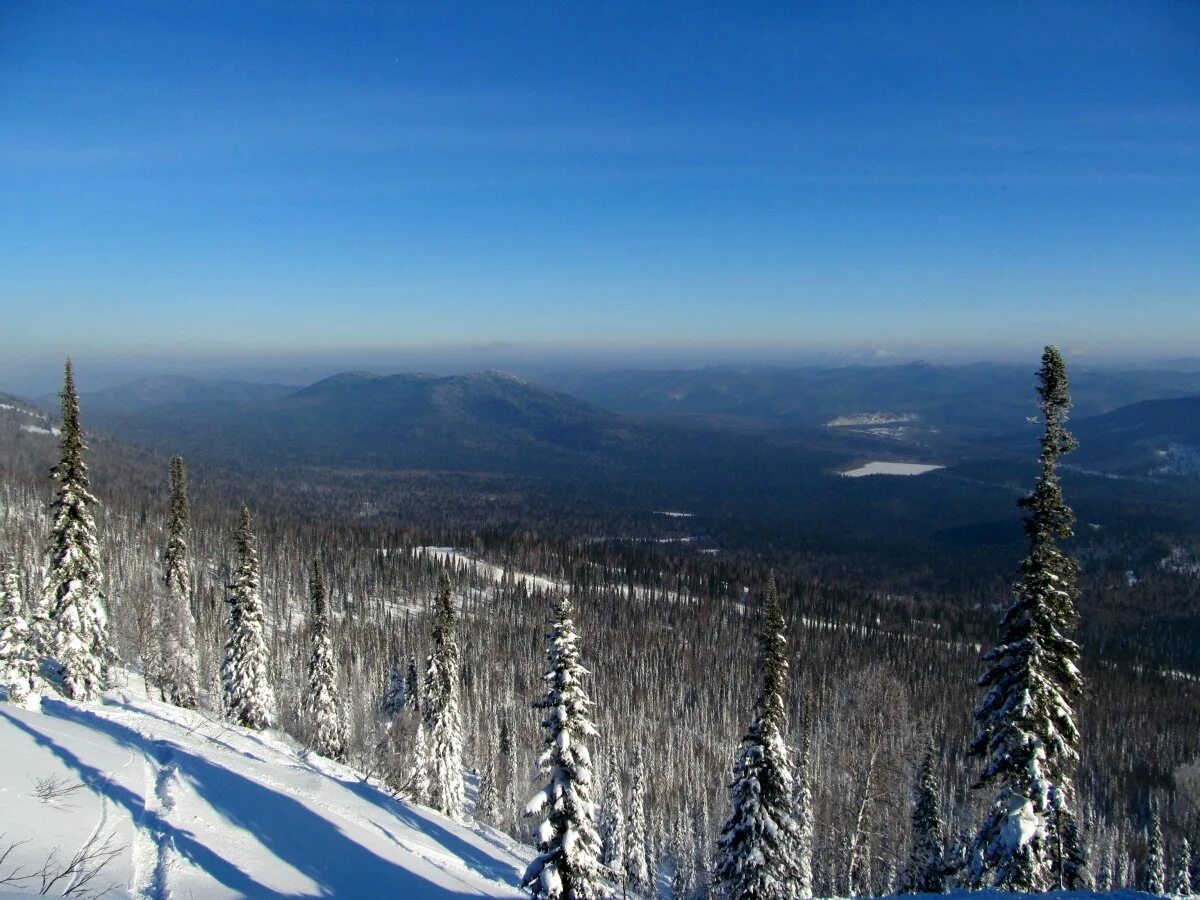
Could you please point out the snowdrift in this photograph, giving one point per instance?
(197, 808)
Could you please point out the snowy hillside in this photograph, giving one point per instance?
(193, 807)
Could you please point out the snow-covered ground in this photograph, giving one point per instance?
(891, 468)
(858, 420)
(197, 808)
(451, 556)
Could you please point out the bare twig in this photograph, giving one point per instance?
(75, 878)
(13, 877)
(53, 788)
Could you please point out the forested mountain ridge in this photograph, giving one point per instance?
(988, 397)
(497, 451)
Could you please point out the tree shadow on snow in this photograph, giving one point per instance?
(295, 834)
(426, 823)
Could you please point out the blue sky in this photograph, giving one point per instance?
(278, 177)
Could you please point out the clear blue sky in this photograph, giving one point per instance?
(233, 176)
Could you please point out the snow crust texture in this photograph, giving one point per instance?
(204, 809)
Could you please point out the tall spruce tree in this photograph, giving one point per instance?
(702, 889)
(567, 866)
(395, 696)
(324, 712)
(1026, 732)
(443, 723)
(412, 687)
(487, 798)
(180, 679)
(1154, 879)
(612, 827)
(417, 788)
(20, 672)
(637, 864)
(757, 848)
(926, 872)
(802, 811)
(74, 583)
(249, 697)
(1183, 869)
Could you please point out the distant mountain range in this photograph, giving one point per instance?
(757, 446)
(1152, 438)
(984, 397)
(484, 421)
(635, 423)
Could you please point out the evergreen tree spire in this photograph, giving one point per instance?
(927, 869)
(412, 686)
(612, 827)
(249, 697)
(395, 698)
(442, 719)
(418, 779)
(321, 704)
(1026, 732)
(178, 627)
(1183, 869)
(567, 865)
(20, 671)
(74, 584)
(1155, 879)
(486, 804)
(637, 865)
(759, 841)
(802, 811)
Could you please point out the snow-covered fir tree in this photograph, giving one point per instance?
(1121, 872)
(19, 664)
(757, 848)
(567, 866)
(74, 583)
(655, 845)
(926, 872)
(1182, 885)
(1026, 732)
(443, 726)
(637, 866)
(505, 770)
(487, 800)
(802, 812)
(612, 827)
(326, 723)
(177, 631)
(249, 697)
(683, 867)
(417, 787)
(412, 686)
(395, 697)
(702, 835)
(1154, 878)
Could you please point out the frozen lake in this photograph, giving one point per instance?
(891, 468)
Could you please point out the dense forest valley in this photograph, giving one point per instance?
(884, 629)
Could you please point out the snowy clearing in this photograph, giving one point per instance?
(890, 468)
(199, 808)
(875, 418)
(450, 556)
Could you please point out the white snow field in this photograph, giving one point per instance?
(891, 468)
(201, 809)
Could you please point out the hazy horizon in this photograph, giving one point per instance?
(42, 376)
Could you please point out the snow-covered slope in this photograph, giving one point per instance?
(198, 809)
